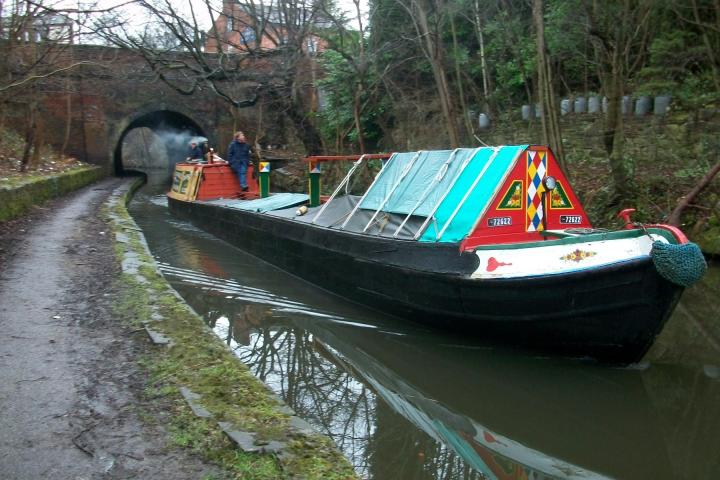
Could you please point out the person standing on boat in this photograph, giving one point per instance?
(239, 158)
(195, 152)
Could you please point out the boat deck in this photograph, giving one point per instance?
(262, 205)
(333, 215)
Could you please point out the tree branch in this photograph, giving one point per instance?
(49, 74)
(674, 218)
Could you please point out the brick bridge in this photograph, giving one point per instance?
(107, 100)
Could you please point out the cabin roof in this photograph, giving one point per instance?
(453, 186)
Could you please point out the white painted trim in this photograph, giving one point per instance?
(557, 259)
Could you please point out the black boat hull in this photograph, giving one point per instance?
(612, 314)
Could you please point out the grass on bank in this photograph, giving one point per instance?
(201, 362)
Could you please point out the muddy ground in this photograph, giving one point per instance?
(70, 388)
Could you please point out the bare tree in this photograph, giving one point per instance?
(477, 21)
(287, 33)
(35, 39)
(173, 47)
(620, 33)
(357, 63)
(467, 122)
(705, 16)
(428, 19)
(546, 93)
(251, 50)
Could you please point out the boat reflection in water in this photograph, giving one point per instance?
(404, 403)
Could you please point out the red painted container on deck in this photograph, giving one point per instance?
(209, 181)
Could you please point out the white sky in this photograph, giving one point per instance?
(199, 6)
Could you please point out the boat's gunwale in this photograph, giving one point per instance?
(568, 240)
(454, 248)
(583, 238)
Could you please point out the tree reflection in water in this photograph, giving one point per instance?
(323, 388)
(359, 386)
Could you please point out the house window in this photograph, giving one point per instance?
(247, 35)
(230, 24)
(312, 45)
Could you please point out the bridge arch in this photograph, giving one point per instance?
(165, 133)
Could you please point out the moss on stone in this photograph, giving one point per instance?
(198, 360)
(709, 240)
(19, 196)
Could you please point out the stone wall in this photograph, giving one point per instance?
(15, 201)
(114, 91)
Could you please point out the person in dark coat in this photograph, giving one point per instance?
(195, 152)
(239, 157)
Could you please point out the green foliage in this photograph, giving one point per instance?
(254, 466)
(337, 87)
(11, 146)
(340, 84)
(687, 77)
(568, 44)
(511, 54)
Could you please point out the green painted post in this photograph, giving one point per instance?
(264, 179)
(314, 184)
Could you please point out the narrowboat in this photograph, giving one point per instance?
(491, 241)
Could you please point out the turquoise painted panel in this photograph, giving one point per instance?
(388, 177)
(466, 451)
(493, 167)
(407, 168)
(412, 189)
(439, 187)
(429, 175)
(456, 194)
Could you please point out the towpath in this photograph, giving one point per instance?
(70, 403)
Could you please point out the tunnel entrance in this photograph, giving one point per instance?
(154, 143)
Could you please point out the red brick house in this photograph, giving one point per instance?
(244, 26)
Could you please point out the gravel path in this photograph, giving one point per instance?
(69, 387)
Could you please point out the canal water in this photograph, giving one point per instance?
(405, 402)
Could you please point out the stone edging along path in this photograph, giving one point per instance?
(16, 200)
(191, 361)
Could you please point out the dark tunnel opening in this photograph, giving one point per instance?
(153, 143)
